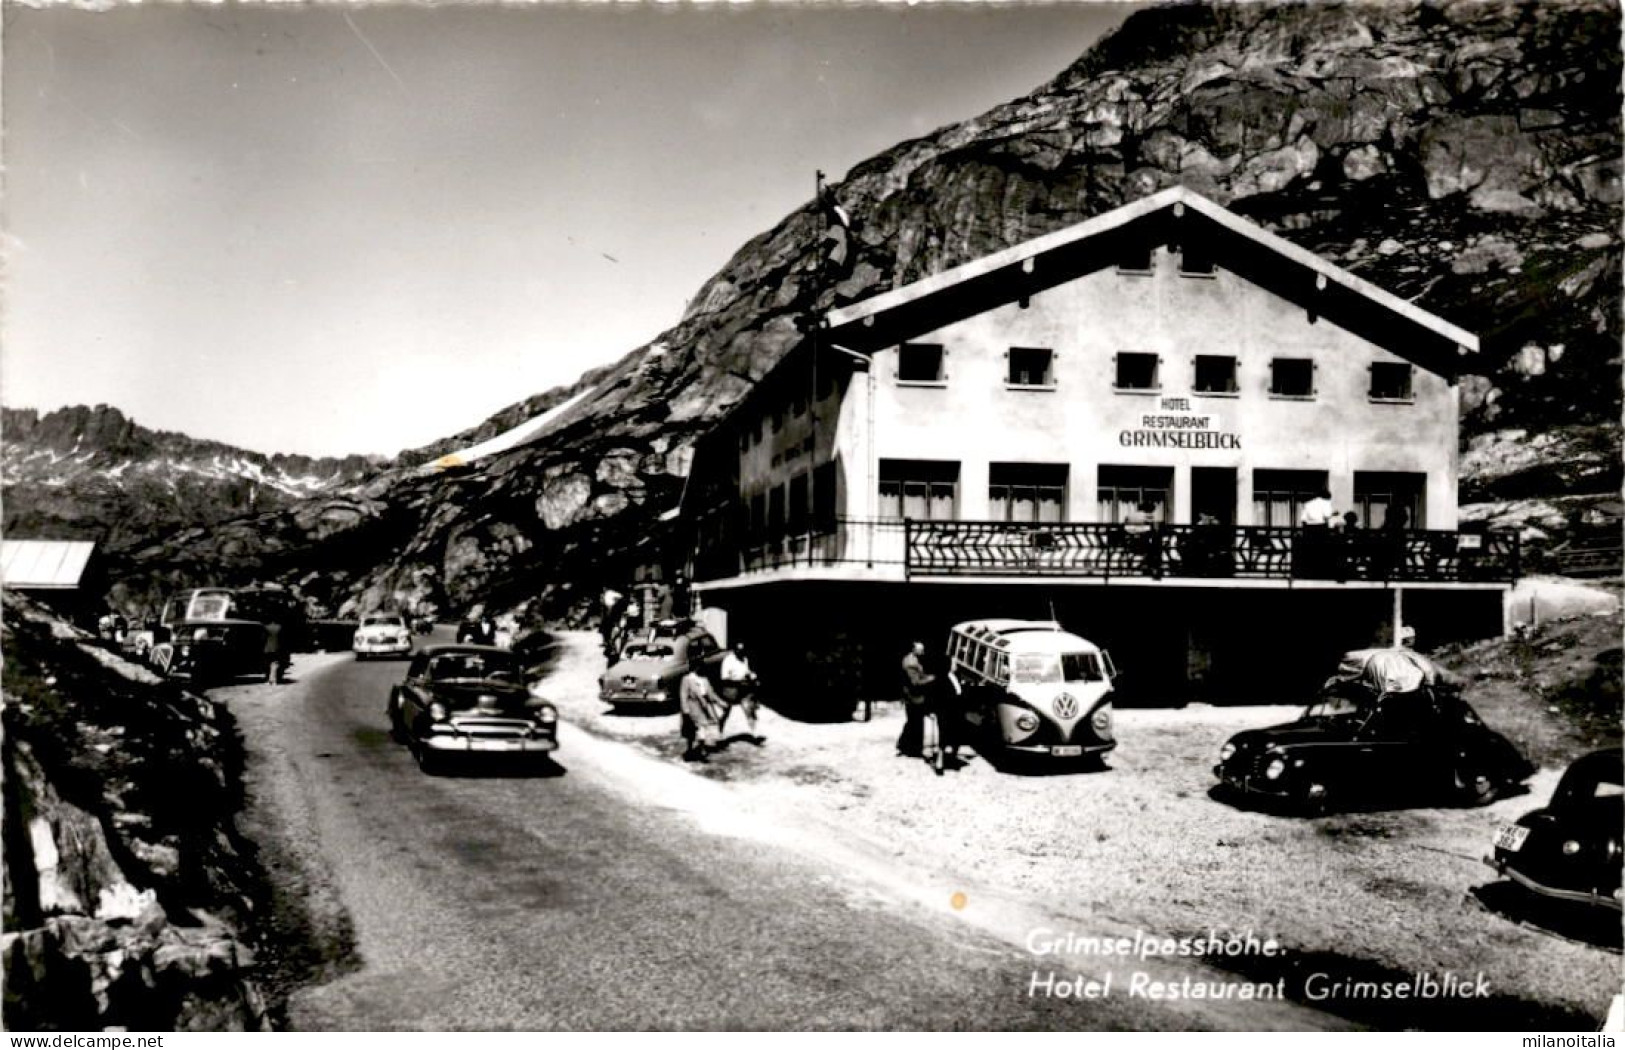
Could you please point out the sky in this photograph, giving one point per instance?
(333, 228)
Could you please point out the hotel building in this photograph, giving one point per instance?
(982, 442)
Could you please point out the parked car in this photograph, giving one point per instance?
(469, 699)
(210, 652)
(382, 634)
(215, 634)
(1029, 687)
(650, 669)
(1570, 850)
(1389, 725)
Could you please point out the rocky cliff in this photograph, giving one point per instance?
(1463, 154)
(94, 473)
(126, 886)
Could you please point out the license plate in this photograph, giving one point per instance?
(1066, 750)
(1511, 839)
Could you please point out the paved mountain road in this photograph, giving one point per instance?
(614, 891)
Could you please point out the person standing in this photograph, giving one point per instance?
(609, 613)
(917, 683)
(1314, 535)
(739, 689)
(1141, 526)
(276, 658)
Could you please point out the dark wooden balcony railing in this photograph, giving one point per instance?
(971, 548)
(979, 548)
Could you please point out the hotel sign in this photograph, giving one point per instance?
(1174, 425)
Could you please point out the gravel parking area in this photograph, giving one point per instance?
(1370, 896)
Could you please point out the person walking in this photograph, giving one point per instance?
(917, 683)
(700, 708)
(739, 689)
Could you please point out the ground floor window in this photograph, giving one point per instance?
(1384, 496)
(923, 489)
(1120, 489)
(1279, 495)
(1026, 491)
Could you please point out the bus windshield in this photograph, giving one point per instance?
(1038, 668)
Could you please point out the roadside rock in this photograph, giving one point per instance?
(127, 895)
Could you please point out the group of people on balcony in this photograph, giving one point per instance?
(1325, 545)
(1329, 545)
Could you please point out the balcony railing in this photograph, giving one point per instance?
(972, 548)
(912, 548)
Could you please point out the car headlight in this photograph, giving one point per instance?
(1570, 848)
(1102, 719)
(1227, 752)
(1027, 722)
(547, 716)
(1274, 770)
(439, 712)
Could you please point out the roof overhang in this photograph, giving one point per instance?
(1169, 217)
(44, 565)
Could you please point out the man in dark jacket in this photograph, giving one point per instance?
(916, 692)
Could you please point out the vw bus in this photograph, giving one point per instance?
(1029, 687)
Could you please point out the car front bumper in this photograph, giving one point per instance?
(1556, 893)
(460, 743)
(374, 648)
(1253, 785)
(625, 695)
(1061, 750)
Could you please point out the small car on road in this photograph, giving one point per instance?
(651, 668)
(1389, 725)
(382, 634)
(467, 700)
(1570, 850)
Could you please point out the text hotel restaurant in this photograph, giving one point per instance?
(973, 444)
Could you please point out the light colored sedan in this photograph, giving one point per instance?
(383, 634)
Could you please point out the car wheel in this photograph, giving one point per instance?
(428, 761)
(1312, 798)
(1475, 787)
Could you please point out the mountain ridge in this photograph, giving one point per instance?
(1464, 155)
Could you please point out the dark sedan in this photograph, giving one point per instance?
(469, 699)
(1571, 849)
(1389, 727)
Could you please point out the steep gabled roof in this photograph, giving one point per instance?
(1173, 216)
(44, 564)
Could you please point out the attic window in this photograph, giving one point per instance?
(1391, 381)
(919, 363)
(1134, 259)
(1196, 261)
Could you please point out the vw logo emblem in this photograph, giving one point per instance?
(1066, 706)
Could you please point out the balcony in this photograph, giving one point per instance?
(900, 550)
(971, 548)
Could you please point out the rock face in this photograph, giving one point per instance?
(126, 887)
(93, 473)
(1465, 155)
